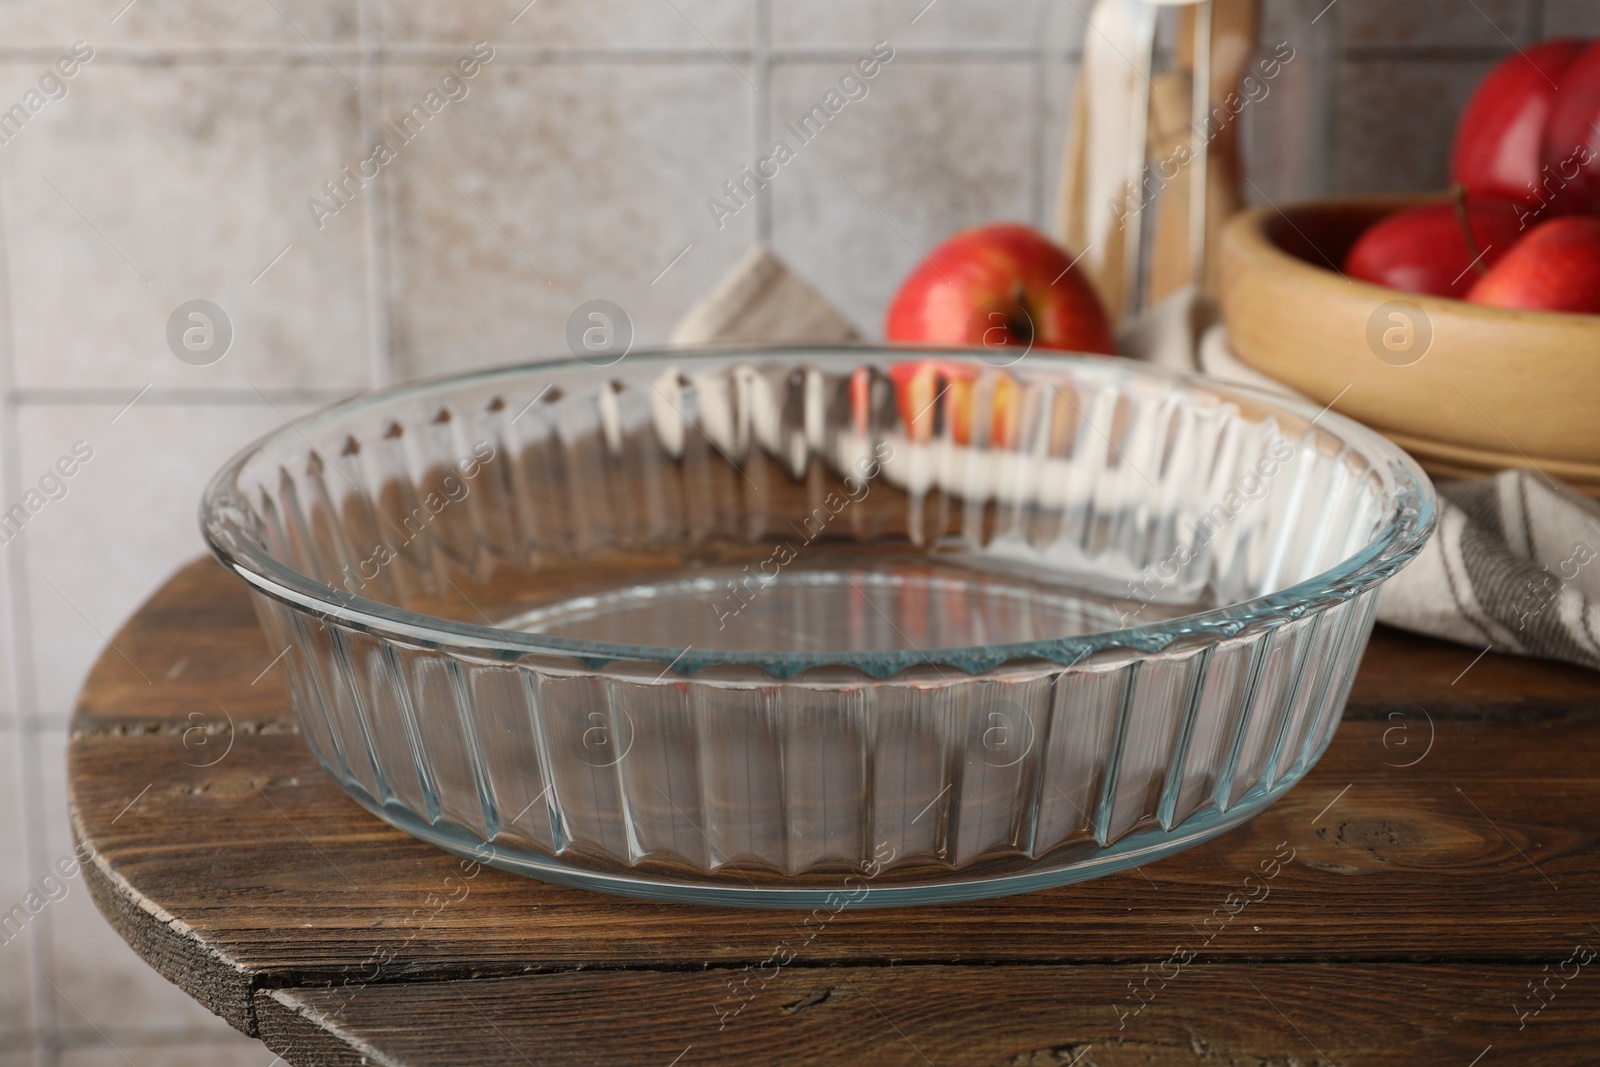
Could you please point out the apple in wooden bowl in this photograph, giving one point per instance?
(1465, 387)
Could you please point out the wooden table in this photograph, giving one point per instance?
(1440, 906)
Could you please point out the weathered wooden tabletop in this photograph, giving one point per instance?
(1440, 906)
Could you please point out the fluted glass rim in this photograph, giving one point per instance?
(1410, 521)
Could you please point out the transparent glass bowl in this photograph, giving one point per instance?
(818, 627)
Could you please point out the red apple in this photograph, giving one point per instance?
(1500, 138)
(1424, 249)
(926, 387)
(996, 287)
(1555, 268)
(1571, 178)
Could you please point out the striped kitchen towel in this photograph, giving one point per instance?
(1514, 566)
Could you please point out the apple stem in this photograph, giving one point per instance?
(1458, 200)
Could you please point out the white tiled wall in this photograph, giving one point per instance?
(577, 166)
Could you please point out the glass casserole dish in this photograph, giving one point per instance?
(795, 627)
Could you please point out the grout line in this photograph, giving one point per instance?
(136, 1039)
(58, 722)
(309, 43)
(738, 68)
(1025, 53)
(11, 478)
(761, 122)
(23, 686)
(75, 396)
(1038, 169)
(375, 212)
(41, 949)
(428, 54)
(1382, 53)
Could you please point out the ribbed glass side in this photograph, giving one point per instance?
(702, 775)
(754, 623)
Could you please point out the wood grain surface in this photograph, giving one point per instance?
(1444, 857)
(1264, 1015)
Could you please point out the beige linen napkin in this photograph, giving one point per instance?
(761, 301)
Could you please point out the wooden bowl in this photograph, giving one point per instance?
(1494, 388)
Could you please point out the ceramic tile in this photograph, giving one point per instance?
(1282, 18)
(930, 150)
(1384, 23)
(1065, 26)
(18, 909)
(149, 186)
(1060, 85)
(178, 23)
(17, 946)
(1381, 147)
(1571, 18)
(1303, 23)
(1277, 130)
(236, 1050)
(10, 690)
(17, 1026)
(10, 687)
(860, 23)
(498, 239)
(103, 990)
(694, 24)
(127, 520)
